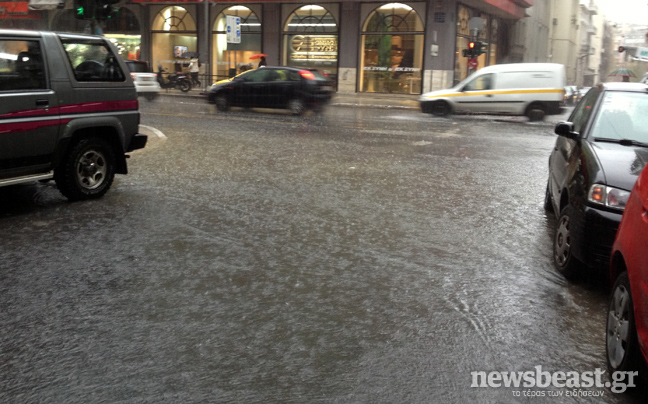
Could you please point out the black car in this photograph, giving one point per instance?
(273, 87)
(596, 160)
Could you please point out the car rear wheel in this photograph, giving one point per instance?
(621, 337)
(535, 112)
(296, 106)
(222, 103)
(87, 170)
(441, 108)
(564, 259)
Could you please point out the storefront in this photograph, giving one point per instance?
(391, 50)
(488, 35)
(364, 46)
(173, 38)
(230, 59)
(310, 40)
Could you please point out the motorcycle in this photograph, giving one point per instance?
(178, 80)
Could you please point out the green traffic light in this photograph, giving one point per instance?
(80, 11)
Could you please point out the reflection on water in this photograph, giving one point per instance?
(300, 263)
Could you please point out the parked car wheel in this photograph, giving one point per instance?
(87, 171)
(222, 103)
(564, 260)
(296, 106)
(621, 345)
(441, 108)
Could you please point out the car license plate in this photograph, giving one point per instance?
(327, 88)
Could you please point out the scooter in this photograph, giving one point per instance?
(178, 80)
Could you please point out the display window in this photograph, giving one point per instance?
(122, 28)
(392, 50)
(311, 40)
(487, 35)
(174, 39)
(230, 59)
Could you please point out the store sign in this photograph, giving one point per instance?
(314, 47)
(16, 9)
(642, 53)
(166, 1)
(233, 29)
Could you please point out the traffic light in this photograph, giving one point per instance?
(482, 47)
(84, 9)
(475, 49)
(470, 52)
(106, 9)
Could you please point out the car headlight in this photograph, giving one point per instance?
(608, 196)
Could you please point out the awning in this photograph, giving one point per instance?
(45, 4)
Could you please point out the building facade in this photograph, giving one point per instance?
(404, 47)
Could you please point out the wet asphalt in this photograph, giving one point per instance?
(358, 256)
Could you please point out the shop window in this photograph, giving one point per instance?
(311, 40)
(230, 59)
(392, 50)
(174, 39)
(487, 35)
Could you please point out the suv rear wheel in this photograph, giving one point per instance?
(87, 171)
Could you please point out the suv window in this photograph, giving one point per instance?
(21, 65)
(92, 61)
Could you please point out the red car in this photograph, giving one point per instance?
(627, 321)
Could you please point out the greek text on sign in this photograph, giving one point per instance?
(233, 29)
(642, 53)
(307, 43)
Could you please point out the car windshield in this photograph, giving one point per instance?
(622, 116)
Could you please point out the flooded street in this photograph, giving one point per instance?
(359, 256)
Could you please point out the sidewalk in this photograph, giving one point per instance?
(362, 100)
(391, 101)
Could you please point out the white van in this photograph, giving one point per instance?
(531, 89)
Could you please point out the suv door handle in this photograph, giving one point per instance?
(42, 103)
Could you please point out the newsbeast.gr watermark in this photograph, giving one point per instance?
(575, 383)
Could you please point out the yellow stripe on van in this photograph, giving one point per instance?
(496, 92)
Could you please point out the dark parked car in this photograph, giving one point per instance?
(273, 87)
(597, 157)
(627, 321)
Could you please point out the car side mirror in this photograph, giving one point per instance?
(566, 129)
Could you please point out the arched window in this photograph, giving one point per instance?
(486, 35)
(230, 59)
(311, 40)
(174, 39)
(392, 50)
